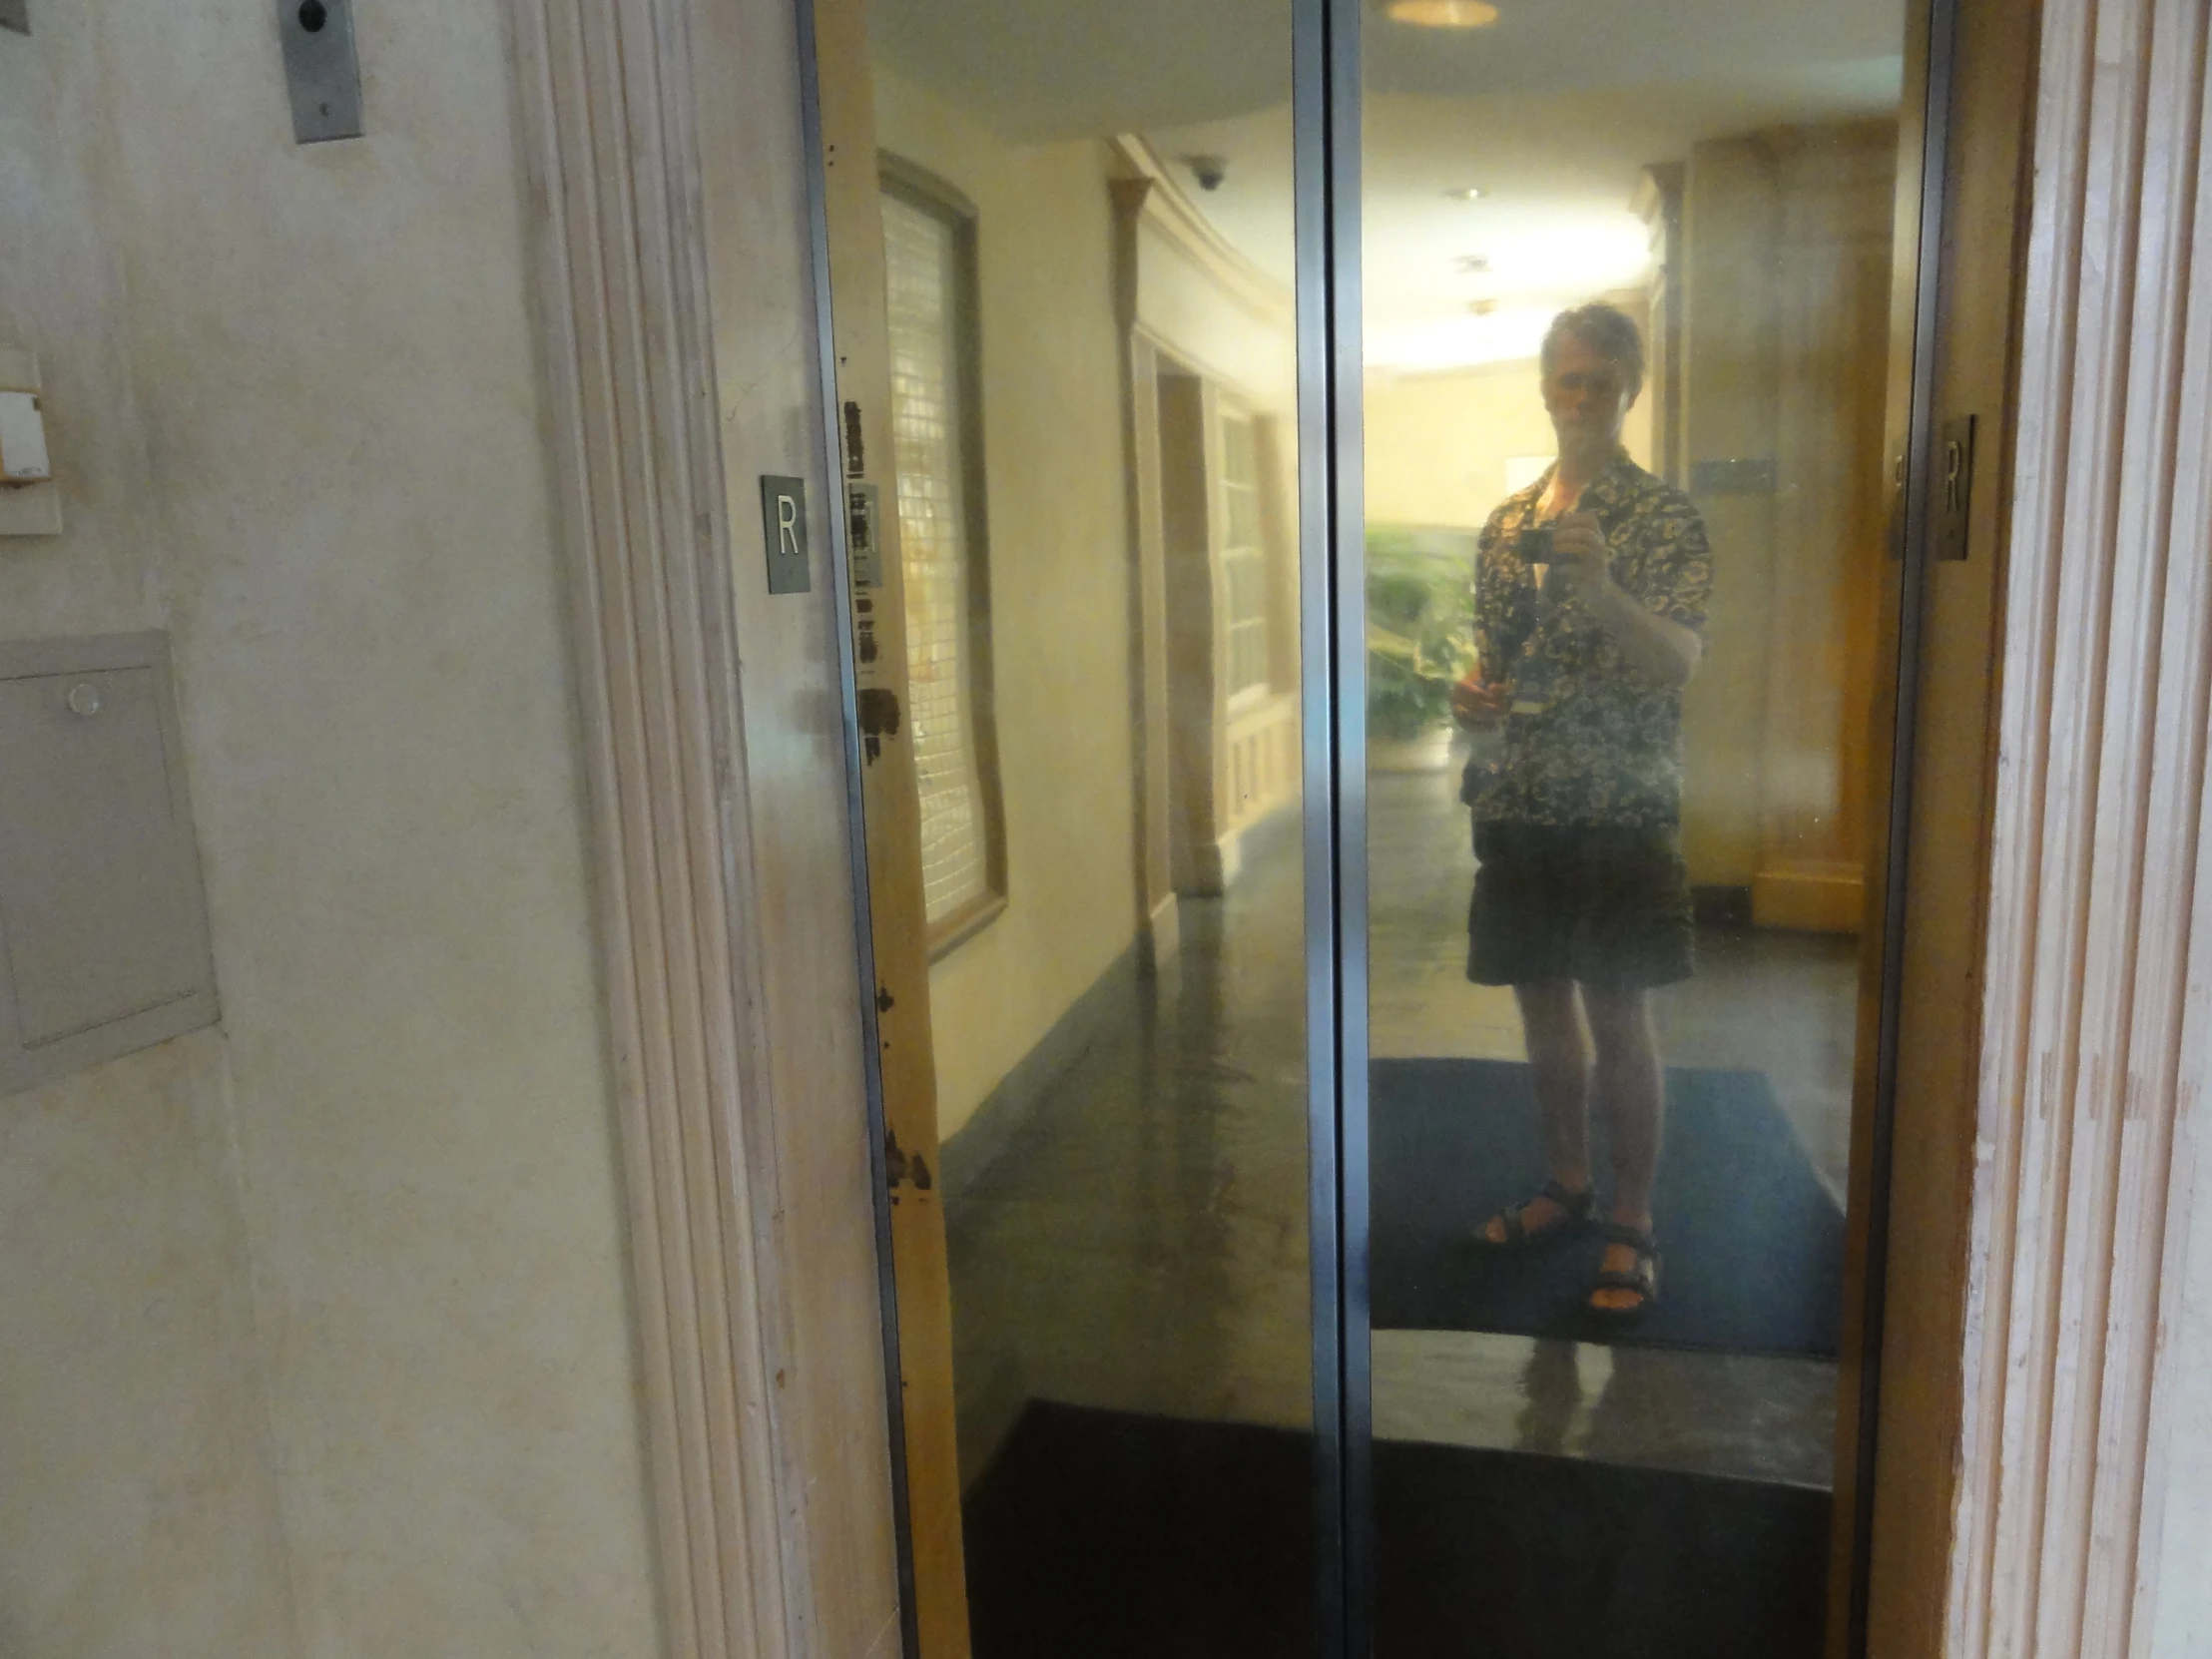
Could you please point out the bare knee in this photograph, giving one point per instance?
(1550, 1018)
(1620, 1027)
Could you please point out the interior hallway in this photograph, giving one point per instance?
(1141, 1243)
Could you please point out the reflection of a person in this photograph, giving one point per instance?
(1590, 596)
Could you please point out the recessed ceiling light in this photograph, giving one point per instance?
(1441, 14)
(1466, 193)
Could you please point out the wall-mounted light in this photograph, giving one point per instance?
(1441, 14)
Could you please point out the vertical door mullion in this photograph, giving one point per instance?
(1348, 538)
(1316, 803)
(1332, 623)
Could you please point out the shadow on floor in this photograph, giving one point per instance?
(1105, 1535)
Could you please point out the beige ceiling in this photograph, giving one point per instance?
(1553, 112)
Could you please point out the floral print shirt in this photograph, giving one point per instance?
(1590, 739)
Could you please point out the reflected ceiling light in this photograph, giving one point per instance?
(1466, 193)
(1441, 14)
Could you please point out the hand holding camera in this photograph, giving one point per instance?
(1479, 704)
(1569, 557)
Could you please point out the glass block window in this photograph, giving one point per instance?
(930, 321)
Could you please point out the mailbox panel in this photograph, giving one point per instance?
(103, 924)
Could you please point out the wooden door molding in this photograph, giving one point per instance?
(2097, 1032)
(739, 1090)
(1898, 1529)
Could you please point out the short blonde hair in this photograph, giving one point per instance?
(1605, 330)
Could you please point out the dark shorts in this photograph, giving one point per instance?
(1601, 904)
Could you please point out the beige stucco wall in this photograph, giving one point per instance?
(316, 1328)
(2178, 1526)
(1059, 574)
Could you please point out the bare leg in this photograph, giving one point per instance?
(1552, 1024)
(1632, 1096)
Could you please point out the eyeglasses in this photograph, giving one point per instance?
(1601, 385)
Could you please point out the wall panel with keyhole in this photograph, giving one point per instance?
(103, 924)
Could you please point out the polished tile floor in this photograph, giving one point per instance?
(1141, 1245)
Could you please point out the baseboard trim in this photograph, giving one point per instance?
(967, 1156)
(1163, 935)
(1809, 898)
(1216, 865)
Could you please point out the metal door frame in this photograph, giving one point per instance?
(1326, 103)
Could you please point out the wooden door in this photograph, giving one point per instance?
(896, 910)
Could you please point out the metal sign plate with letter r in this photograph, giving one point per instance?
(784, 526)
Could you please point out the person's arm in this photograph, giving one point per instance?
(1655, 646)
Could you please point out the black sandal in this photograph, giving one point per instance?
(1576, 1210)
(1643, 1279)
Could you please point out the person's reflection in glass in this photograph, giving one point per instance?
(1591, 588)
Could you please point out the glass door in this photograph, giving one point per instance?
(1630, 634)
(1376, 652)
(1067, 380)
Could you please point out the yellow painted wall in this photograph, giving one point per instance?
(1438, 444)
(1059, 570)
(1189, 310)
(314, 1328)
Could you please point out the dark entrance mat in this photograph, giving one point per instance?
(1103, 1535)
(1752, 1246)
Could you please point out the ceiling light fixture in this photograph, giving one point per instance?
(1441, 14)
(1466, 193)
(1209, 171)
